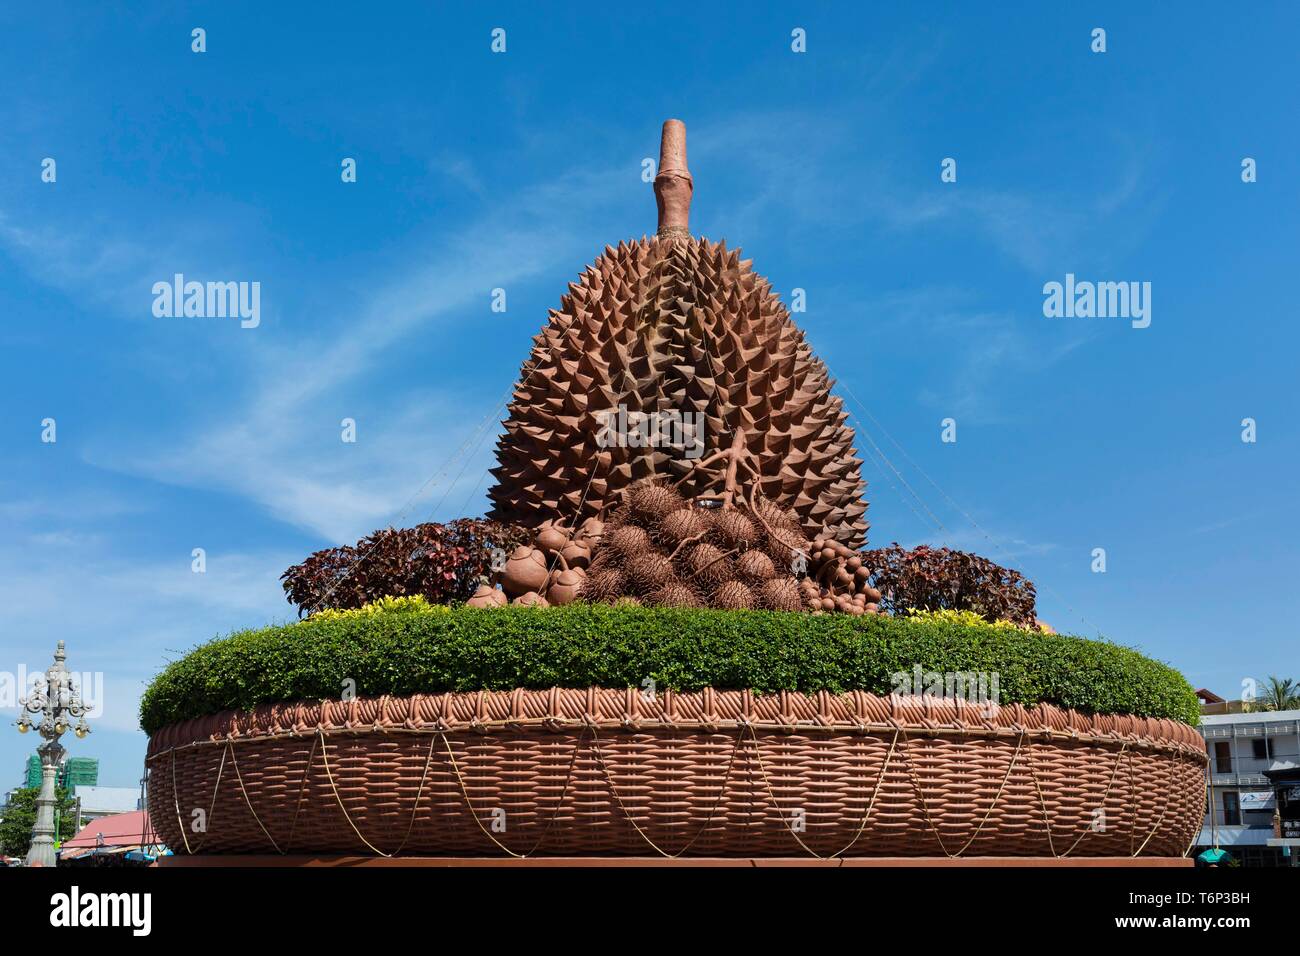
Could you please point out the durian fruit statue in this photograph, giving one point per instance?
(678, 323)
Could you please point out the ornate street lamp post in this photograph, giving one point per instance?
(52, 705)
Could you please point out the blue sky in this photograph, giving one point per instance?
(479, 170)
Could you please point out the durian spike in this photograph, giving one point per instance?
(673, 182)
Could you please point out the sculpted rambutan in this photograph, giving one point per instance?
(677, 526)
(628, 541)
(650, 500)
(780, 594)
(734, 530)
(676, 594)
(648, 572)
(603, 585)
(733, 596)
(705, 564)
(754, 567)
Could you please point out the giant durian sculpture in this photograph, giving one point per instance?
(677, 324)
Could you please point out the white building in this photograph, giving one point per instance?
(95, 802)
(1242, 800)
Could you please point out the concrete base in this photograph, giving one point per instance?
(218, 860)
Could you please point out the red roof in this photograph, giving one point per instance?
(120, 829)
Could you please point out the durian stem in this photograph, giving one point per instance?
(696, 466)
(724, 554)
(767, 527)
(673, 183)
(734, 454)
(691, 540)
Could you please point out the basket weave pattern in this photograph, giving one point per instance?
(714, 773)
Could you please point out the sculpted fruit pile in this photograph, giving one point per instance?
(681, 327)
(660, 549)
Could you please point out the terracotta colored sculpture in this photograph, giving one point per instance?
(525, 572)
(565, 583)
(673, 183)
(675, 324)
(488, 596)
(738, 551)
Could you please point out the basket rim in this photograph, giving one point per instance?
(559, 710)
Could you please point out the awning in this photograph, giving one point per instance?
(121, 829)
(1236, 836)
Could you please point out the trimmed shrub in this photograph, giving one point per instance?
(934, 579)
(464, 649)
(442, 562)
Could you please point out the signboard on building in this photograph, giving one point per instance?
(1258, 800)
(1289, 811)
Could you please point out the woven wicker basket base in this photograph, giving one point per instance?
(598, 773)
(618, 862)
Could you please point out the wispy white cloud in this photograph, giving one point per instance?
(990, 346)
(339, 490)
(1038, 231)
(305, 475)
(972, 350)
(99, 262)
(1006, 547)
(37, 505)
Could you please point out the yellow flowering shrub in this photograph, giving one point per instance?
(963, 618)
(385, 605)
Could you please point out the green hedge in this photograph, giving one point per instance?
(582, 645)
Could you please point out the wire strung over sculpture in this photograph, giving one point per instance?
(674, 326)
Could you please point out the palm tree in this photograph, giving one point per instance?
(1279, 694)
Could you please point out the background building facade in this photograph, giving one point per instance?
(1247, 752)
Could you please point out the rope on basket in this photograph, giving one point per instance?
(234, 762)
(1042, 801)
(1169, 791)
(1132, 809)
(302, 788)
(722, 789)
(899, 733)
(1206, 807)
(325, 760)
(1047, 815)
(767, 786)
(176, 799)
(464, 791)
(419, 792)
(925, 807)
